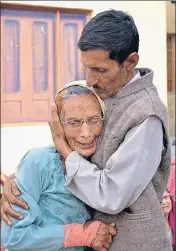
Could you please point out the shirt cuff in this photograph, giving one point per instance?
(72, 163)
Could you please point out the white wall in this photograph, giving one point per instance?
(16, 141)
(171, 8)
(150, 18)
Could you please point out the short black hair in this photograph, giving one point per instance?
(113, 31)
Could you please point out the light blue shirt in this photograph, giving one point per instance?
(40, 178)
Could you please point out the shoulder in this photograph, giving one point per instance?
(152, 122)
(37, 166)
(141, 103)
(152, 98)
(41, 157)
(145, 131)
(45, 152)
(144, 104)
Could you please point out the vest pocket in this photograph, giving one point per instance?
(140, 216)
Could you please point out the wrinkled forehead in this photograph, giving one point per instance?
(76, 89)
(84, 105)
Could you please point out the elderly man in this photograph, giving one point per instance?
(129, 171)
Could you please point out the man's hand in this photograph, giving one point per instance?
(104, 236)
(10, 193)
(58, 134)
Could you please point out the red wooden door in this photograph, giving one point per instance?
(27, 65)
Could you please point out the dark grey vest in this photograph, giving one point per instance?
(141, 227)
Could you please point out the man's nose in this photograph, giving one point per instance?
(85, 130)
(90, 78)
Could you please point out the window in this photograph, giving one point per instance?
(171, 63)
(39, 55)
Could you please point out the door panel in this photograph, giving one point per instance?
(42, 68)
(71, 28)
(171, 63)
(11, 84)
(27, 65)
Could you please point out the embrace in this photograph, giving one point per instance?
(111, 161)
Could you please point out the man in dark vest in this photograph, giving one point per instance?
(127, 175)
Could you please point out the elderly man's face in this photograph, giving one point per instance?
(104, 74)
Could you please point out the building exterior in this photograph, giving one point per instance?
(39, 55)
(171, 76)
